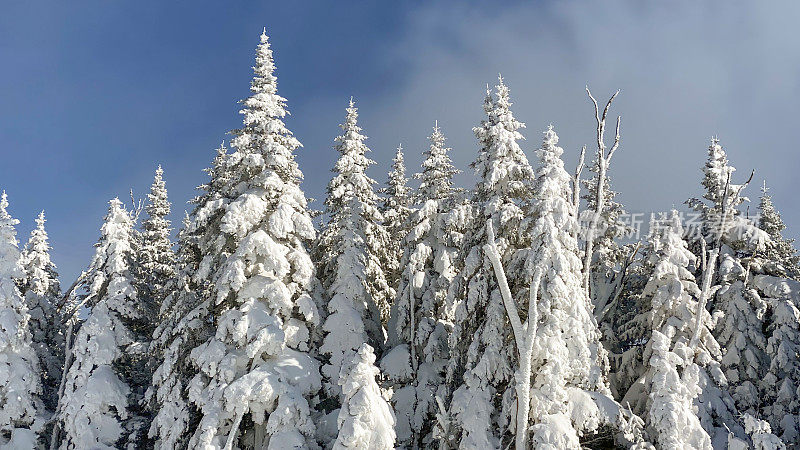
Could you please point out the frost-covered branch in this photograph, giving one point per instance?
(511, 308)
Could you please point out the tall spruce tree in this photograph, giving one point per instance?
(42, 293)
(482, 359)
(396, 209)
(256, 372)
(21, 411)
(662, 370)
(182, 316)
(155, 257)
(101, 403)
(560, 365)
(778, 250)
(418, 326)
(352, 250)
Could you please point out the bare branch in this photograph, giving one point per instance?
(616, 141)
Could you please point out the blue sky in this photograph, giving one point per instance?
(94, 97)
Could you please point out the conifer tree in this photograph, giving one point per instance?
(779, 249)
(560, 365)
(256, 373)
(182, 325)
(366, 421)
(482, 366)
(20, 408)
(101, 403)
(418, 326)
(352, 248)
(42, 293)
(396, 209)
(155, 258)
(662, 369)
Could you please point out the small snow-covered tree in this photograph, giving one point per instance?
(780, 387)
(721, 220)
(778, 250)
(366, 421)
(352, 248)
(155, 257)
(256, 372)
(182, 325)
(418, 325)
(42, 292)
(670, 339)
(99, 408)
(670, 415)
(482, 366)
(395, 208)
(21, 411)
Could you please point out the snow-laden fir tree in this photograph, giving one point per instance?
(673, 385)
(100, 406)
(720, 219)
(482, 357)
(780, 388)
(257, 372)
(396, 208)
(42, 293)
(21, 411)
(352, 249)
(560, 364)
(155, 257)
(663, 370)
(731, 237)
(418, 327)
(778, 250)
(366, 421)
(182, 316)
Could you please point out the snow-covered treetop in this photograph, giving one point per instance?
(156, 256)
(9, 252)
(717, 173)
(112, 258)
(503, 170)
(41, 276)
(264, 142)
(397, 191)
(436, 178)
(779, 249)
(351, 180)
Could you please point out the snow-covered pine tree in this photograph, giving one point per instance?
(482, 358)
(101, 406)
(778, 250)
(257, 372)
(659, 348)
(21, 412)
(352, 249)
(155, 257)
(672, 382)
(560, 364)
(730, 235)
(720, 218)
(395, 208)
(366, 421)
(42, 293)
(182, 316)
(418, 327)
(780, 388)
